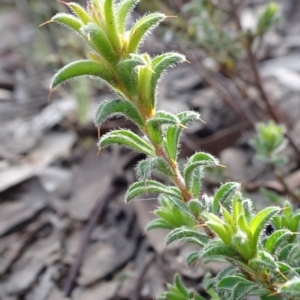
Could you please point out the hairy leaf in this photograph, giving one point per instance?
(159, 65)
(68, 20)
(122, 14)
(148, 186)
(100, 42)
(146, 166)
(180, 286)
(159, 223)
(222, 195)
(229, 282)
(111, 25)
(217, 249)
(193, 258)
(199, 159)
(196, 207)
(141, 28)
(183, 233)
(259, 221)
(80, 12)
(81, 68)
(173, 132)
(182, 206)
(275, 239)
(127, 70)
(116, 107)
(128, 139)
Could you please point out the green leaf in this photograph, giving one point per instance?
(146, 166)
(180, 286)
(263, 262)
(294, 225)
(241, 243)
(188, 117)
(68, 20)
(173, 133)
(284, 253)
(80, 12)
(127, 70)
(198, 160)
(196, 182)
(183, 233)
(171, 141)
(116, 107)
(217, 249)
(196, 207)
(81, 68)
(258, 222)
(222, 195)
(163, 118)
(148, 186)
(122, 14)
(242, 290)
(193, 258)
(181, 205)
(159, 65)
(155, 124)
(268, 18)
(128, 139)
(100, 42)
(141, 28)
(159, 224)
(275, 240)
(155, 132)
(111, 25)
(229, 282)
(291, 287)
(218, 227)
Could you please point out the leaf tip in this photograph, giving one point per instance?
(45, 23)
(49, 95)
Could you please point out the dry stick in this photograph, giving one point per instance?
(142, 274)
(29, 236)
(257, 78)
(97, 214)
(264, 96)
(220, 90)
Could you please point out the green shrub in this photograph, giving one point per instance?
(224, 225)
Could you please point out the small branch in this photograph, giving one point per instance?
(97, 214)
(141, 276)
(29, 237)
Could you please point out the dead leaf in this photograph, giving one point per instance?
(52, 147)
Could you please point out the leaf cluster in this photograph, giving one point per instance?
(269, 143)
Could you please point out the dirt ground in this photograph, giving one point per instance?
(65, 231)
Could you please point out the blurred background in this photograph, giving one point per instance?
(65, 232)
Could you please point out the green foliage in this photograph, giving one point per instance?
(268, 18)
(178, 291)
(170, 216)
(223, 225)
(269, 142)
